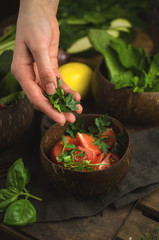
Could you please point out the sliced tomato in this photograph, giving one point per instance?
(99, 160)
(58, 147)
(114, 158)
(86, 141)
(109, 159)
(109, 137)
(106, 161)
(89, 155)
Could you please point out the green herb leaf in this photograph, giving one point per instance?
(17, 176)
(6, 198)
(20, 213)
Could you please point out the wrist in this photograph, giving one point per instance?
(49, 6)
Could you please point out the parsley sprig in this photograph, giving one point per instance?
(100, 124)
(61, 101)
(68, 158)
(77, 126)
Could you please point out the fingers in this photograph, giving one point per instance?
(46, 73)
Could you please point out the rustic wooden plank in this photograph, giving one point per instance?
(11, 233)
(103, 226)
(136, 225)
(150, 204)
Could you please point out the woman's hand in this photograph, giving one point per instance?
(35, 63)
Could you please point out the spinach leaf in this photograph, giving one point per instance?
(12, 98)
(20, 213)
(8, 85)
(153, 75)
(6, 198)
(126, 65)
(5, 62)
(17, 176)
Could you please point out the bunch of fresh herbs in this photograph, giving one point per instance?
(19, 211)
(61, 101)
(127, 66)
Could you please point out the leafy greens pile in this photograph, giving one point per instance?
(126, 65)
(18, 212)
(75, 21)
(10, 90)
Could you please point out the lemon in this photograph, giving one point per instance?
(77, 76)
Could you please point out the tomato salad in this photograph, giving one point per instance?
(93, 149)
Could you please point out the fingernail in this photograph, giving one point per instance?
(50, 88)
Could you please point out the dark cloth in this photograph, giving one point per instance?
(141, 179)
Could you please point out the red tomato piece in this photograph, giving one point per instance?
(99, 160)
(110, 159)
(89, 155)
(57, 148)
(106, 160)
(86, 141)
(109, 134)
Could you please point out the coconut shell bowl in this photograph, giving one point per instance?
(14, 121)
(123, 104)
(80, 183)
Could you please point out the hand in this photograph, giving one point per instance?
(35, 64)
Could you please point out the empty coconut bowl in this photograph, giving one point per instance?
(14, 121)
(124, 104)
(84, 183)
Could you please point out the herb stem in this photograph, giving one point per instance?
(30, 195)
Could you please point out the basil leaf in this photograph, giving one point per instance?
(6, 198)
(20, 213)
(17, 176)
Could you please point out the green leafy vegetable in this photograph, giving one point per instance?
(126, 65)
(10, 89)
(12, 98)
(20, 213)
(17, 212)
(6, 198)
(5, 62)
(7, 40)
(61, 101)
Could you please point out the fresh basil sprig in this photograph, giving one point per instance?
(18, 212)
(61, 101)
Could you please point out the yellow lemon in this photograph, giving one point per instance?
(77, 76)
